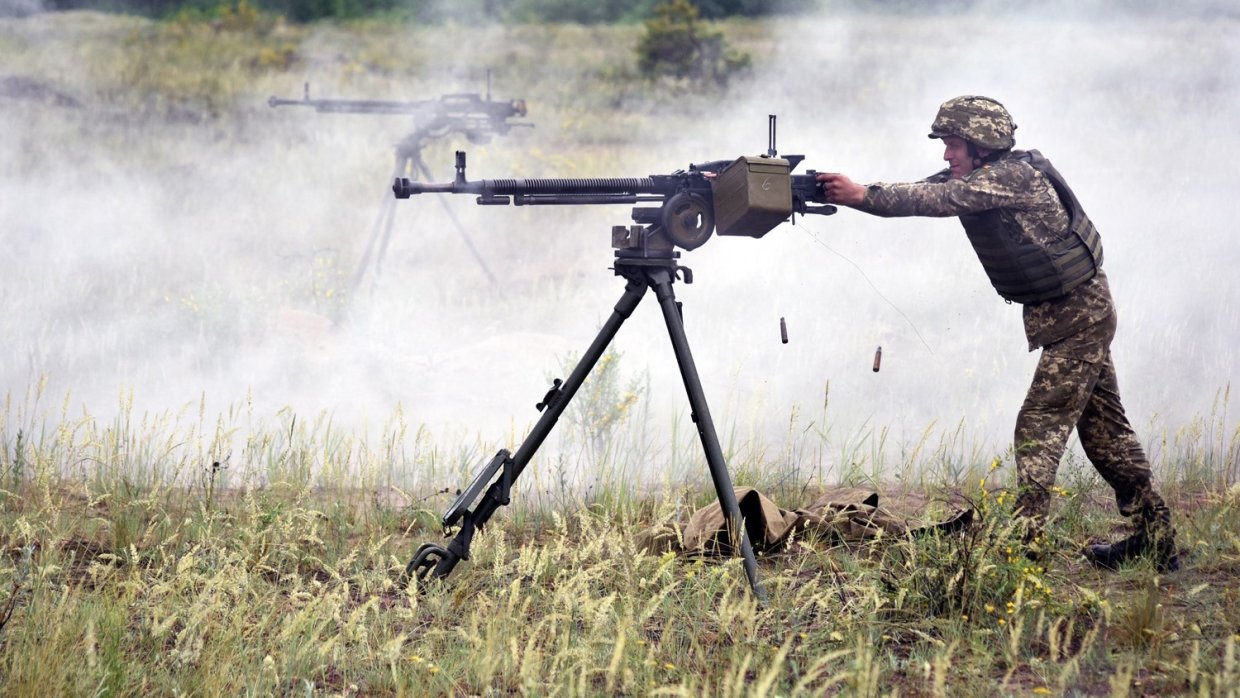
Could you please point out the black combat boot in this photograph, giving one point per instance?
(1161, 549)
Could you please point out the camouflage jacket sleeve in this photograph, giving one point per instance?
(1003, 184)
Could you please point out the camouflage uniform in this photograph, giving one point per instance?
(1074, 384)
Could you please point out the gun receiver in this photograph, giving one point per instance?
(748, 196)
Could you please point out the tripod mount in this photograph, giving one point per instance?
(646, 259)
(747, 196)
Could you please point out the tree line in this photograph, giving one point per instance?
(432, 11)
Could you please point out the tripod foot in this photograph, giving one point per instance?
(423, 564)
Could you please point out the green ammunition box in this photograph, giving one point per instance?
(752, 196)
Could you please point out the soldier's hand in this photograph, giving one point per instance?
(839, 189)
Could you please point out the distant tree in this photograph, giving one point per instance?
(678, 45)
(719, 9)
(578, 11)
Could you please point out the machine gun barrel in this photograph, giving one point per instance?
(747, 196)
(559, 185)
(558, 190)
(532, 191)
(355, 106)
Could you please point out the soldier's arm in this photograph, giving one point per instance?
(1003, 185)
(938, 177)
(936, 195)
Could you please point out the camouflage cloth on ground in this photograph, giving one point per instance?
(834, 516)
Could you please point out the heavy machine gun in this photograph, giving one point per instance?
(748, 196)
(479, 119)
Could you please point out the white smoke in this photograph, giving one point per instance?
(205, 260)
(20, 8)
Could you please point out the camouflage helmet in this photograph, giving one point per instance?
(979, 120)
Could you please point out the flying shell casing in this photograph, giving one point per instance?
(878, 358)
(783, 331)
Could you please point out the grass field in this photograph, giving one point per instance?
(192, 536)
(133, 565)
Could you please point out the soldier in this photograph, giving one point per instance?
(1040, 250)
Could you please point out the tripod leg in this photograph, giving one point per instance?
(381, 231)
(661, 281)
(389, 219)
(437, 562)
(557, 401)
(421, 166)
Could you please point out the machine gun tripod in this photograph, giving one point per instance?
(408, 163)
(645, 258)
(748, 197)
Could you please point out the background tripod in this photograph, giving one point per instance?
(409, 163)
(645, 259)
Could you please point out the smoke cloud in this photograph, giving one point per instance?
(20, 8)
(188, 261)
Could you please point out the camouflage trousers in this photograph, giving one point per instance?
(1075, 386)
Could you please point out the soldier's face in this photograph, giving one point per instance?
(956, 153)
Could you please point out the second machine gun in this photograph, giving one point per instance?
(479, 119)
(748, 196)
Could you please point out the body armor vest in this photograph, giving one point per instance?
(1023, 271)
